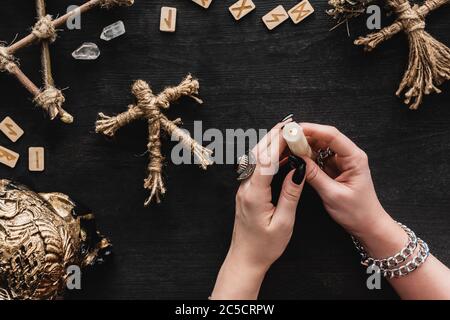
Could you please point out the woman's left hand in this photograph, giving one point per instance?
(261, 230)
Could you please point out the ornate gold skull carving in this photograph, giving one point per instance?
(41, 235)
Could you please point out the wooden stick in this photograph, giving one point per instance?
(25, 81)
(45, 50)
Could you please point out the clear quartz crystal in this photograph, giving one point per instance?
(113, 31)
(87, 51)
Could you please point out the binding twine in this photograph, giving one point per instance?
(429, 59)
(44, 29)
(6, 60)
(51, 100)
(148, 107)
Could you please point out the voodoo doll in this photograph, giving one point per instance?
(148, 107)
(49, 98)
(429, 59)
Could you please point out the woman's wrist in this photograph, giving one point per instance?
(238, 279)
(384, 237)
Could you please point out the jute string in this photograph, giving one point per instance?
(429, 59)
(6, 60)
(44, 29)
(148, 107)
(51, 100)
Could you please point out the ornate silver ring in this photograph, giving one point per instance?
(246, 166)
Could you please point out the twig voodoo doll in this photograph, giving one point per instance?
(148, 107)
(429, 59)
(49, 98)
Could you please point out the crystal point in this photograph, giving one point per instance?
(87, 51)
(113, 31)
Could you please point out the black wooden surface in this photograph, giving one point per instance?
(250, 78)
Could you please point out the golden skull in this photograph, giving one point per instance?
(41, 235)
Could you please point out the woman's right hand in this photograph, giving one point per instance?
(347, 190)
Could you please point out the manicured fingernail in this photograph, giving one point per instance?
(289, 116)
(299, 165)
(294, 161)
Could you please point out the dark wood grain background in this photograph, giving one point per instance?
(250, 78)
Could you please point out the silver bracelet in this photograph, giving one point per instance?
(393, 261)
(412, 265)
(389, 266)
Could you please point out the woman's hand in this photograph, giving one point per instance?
(348, 194)
(345, 186)
(261, 230)
(347, 191)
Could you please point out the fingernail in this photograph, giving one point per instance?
(299, 165)
(286, 118)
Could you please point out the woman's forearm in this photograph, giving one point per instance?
(429, 281)
(238, 280)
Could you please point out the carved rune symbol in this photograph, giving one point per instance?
(276, 17)
(168, 20)
(242, 8)
(301, 11)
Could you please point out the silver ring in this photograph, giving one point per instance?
(246, 166)
(323, 155)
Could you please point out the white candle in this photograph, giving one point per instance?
(296, 140)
